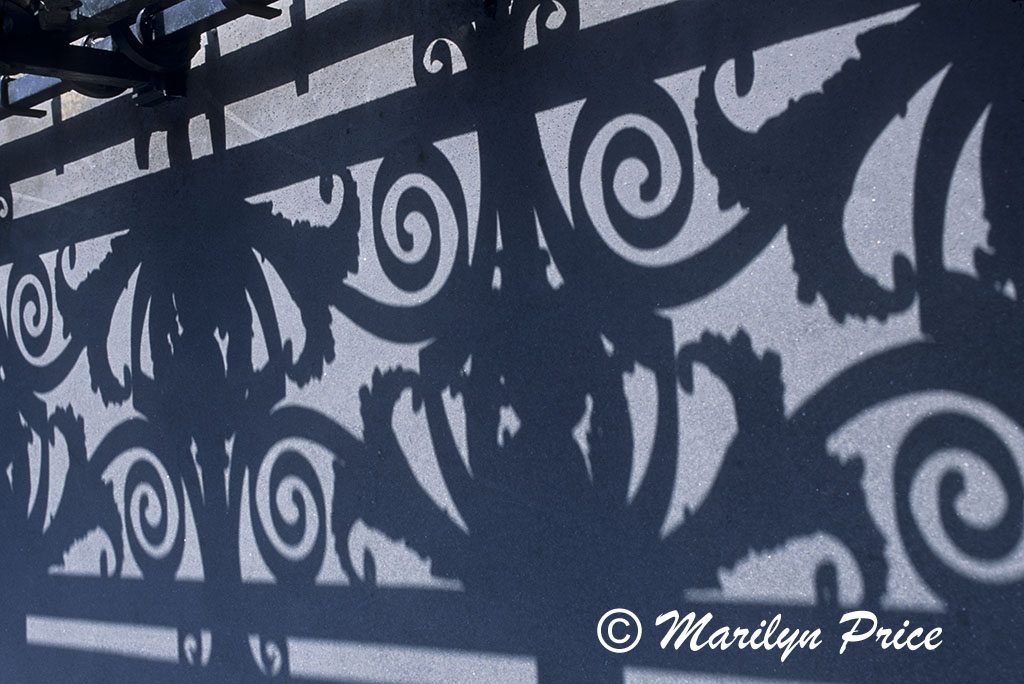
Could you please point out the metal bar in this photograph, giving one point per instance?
(72, 63)
(199, 15)
(97, 15)
(452, 620)
(24, 93)
(101, 13)
(57, 60)
(342, 27)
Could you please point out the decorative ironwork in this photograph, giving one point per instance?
(102, 47)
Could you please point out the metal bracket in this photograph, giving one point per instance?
(145, 45)
(253, 7)
(5, 102)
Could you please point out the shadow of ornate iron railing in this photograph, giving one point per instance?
(554, 532)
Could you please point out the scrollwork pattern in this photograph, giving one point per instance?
(634, 174)
(270, 655)
(999, 540)
(419, 221)
(548, 334)
(289, 505)
(152, 498)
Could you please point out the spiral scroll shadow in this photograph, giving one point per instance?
(6, 204)
(288, 515)
(946, 431)
(631, 175)
(632, 170)
(154, 520)
(153, 498)
(421, 243)
(30, 298)
(270, 655)
(417, 199)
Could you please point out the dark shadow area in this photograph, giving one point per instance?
(554, 535)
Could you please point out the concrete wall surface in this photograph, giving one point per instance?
(422, 335)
